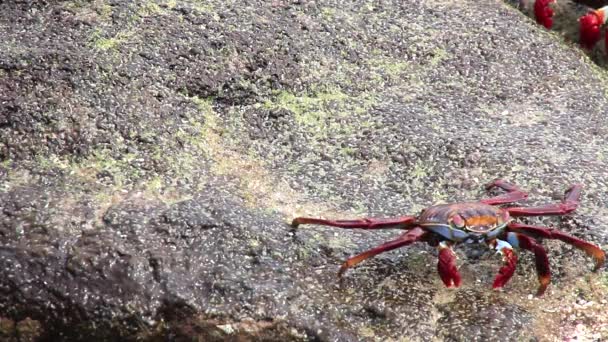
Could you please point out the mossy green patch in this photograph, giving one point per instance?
(105, 11)
(309, 110)
(47, 163)
(154, 185)
(101, 42)
(205, 105)
(149, 9)
(83, 7)
(420, 170)
(328, 13)
(219, 140)
(391, 67)
(212, 139)
(170, 4)
(102, 161)
(322, 112)
(438, 56)
(205, 7)
(367, 332)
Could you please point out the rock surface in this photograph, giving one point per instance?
(153, 153)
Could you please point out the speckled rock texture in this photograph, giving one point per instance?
(153, 153)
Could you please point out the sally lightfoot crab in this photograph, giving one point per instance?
(482, 221)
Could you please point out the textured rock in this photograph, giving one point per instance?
(152, 154)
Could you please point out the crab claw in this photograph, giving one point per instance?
(508, 269)
(544, 13)
(589, 28)
(448, 272)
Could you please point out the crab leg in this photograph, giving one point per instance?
(568, 205)
(403, 222)
(540, 254)
(510, 263)
(513, 193)
(416, 234)
(448, 272)
(549, 233)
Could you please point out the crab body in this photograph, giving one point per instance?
(465, 222)
(447, 225)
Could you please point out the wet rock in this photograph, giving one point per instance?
(479, 314)
(152, 156)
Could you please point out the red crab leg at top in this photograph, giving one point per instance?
(568, 205)
(544, 13)
(549, 233)
(403, 222)
(513, 193)
(590, 27)
(416, 234)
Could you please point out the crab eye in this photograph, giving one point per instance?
(457, 221)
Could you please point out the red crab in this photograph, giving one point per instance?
(446, 225)
(590, 27)
(544, 13)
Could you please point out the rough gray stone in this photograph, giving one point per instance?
(153, 153)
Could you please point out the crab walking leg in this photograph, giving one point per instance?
(568, 205)
(513, 193)
(365, 223)
(446, 266)
(540, 256)
(510, 263)
(549, 233)
(416, 234)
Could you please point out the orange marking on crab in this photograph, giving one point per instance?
(482, 222)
